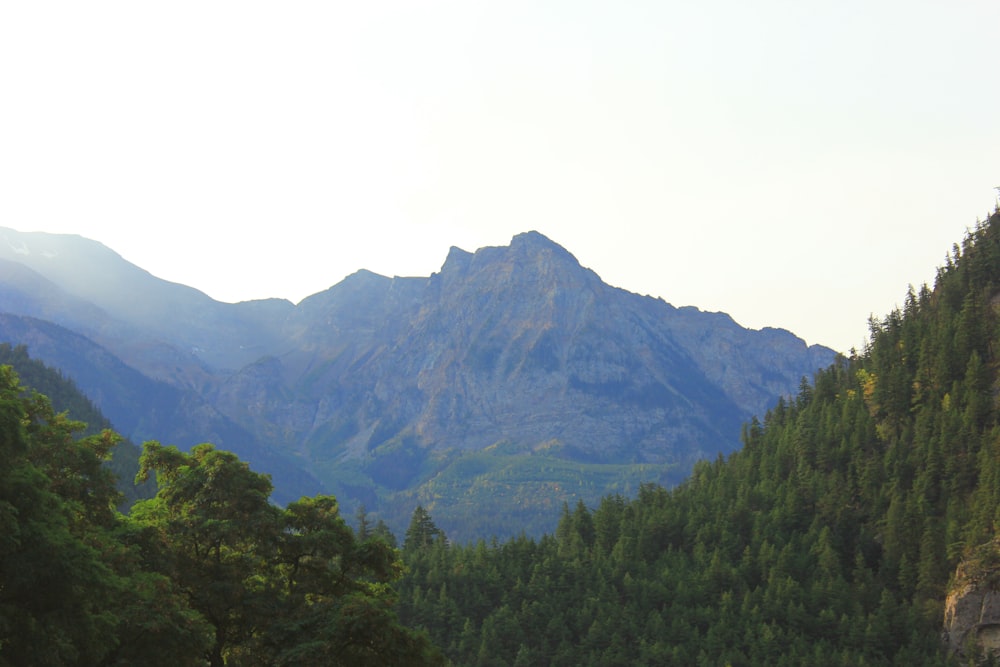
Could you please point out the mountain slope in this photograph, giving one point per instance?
(456, 389)
(141, 408)
(133, 304)
(832, 537)
(435, 389)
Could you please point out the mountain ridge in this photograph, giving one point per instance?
(381, 385)
(857, 525)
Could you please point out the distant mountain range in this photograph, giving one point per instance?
(510, 381)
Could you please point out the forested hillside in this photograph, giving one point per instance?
(828, 539)
(208, 572)
(64, 396)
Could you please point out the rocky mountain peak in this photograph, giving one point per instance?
(512, 355)
(457, 257)
(531, 264)
(536, 243)
(534, 249)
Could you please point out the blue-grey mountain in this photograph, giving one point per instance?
(489, 392)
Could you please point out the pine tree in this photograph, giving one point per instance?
(422, 531)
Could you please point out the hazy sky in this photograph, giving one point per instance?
(795, 164)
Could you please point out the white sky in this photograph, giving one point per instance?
(793, 163)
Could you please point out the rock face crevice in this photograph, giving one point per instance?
(972, 608)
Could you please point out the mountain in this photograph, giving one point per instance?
(142, 408)
(124, 307)
(513, 379)
(857, 525)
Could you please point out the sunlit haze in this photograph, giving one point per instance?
(794, 164)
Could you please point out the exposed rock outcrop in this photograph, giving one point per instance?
(972, 608)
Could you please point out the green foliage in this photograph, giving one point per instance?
(277, 586)
(65, 397)
(70, 591)
(423, 532)
(525, 488)
(828, 539)
(206, 572)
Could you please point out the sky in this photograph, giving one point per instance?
(794, 164)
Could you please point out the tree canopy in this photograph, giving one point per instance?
(207, 572)
(278, 586)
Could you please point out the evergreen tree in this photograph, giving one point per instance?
(422, 531)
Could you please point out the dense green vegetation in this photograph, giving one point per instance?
(526, 488)
(65, 397)
(828, 539)
(207, 572)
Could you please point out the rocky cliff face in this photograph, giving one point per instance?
(972, 608)
(509, 353)
(521, 345)
(509, 361)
